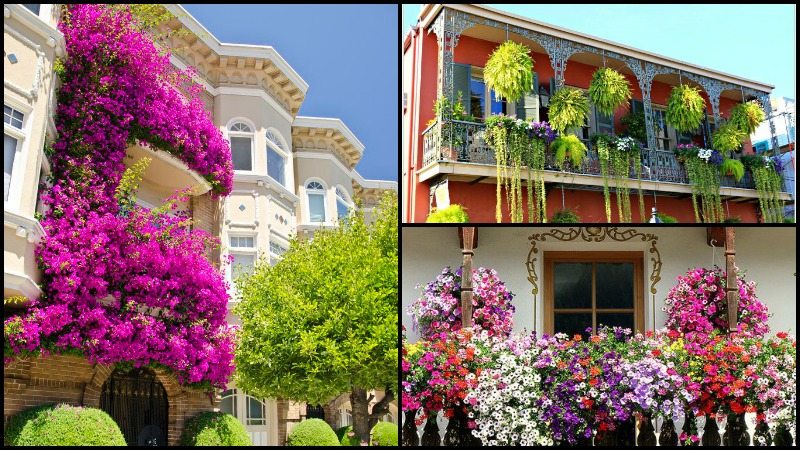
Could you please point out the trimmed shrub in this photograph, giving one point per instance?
(214, 429)
(451, 214)
(62, 425)
(384, 434)
(347, 437)
(311, 432)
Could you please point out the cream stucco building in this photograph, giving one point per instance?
(293, 174)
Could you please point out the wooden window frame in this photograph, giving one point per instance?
(637, 258)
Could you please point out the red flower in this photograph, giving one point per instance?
(782, 335)
(656, 353)
(736, 407)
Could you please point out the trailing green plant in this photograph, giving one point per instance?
(665, 218)
(451, 214)
(62, 425)
(568, 146)
(609, 90)
(752, 162)
(384, 434)
(728, 138)
(565, 215)
(214, 429)
(733, 168)
(747, 116)
(635, 126)
(732, 219)
(603, 144)
(705, 181)
(685, 108)
(569, 108)
(616, 156)
(447, 114)
(768, 184)
(312, 432)
(509, 71)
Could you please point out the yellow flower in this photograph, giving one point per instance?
(412, 349)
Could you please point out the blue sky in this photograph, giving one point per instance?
(751, 41)
(346, 53)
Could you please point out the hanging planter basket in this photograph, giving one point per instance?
(728, 138)
(568, 147)
(609, 90)
(569, 108)
(732, 168)
(747, 116)
(509, 71)
(685, 108)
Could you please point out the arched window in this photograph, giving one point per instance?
(241, 138)
(342, 202)
(316, 201)
(276, 157)
(228, 403)
(256, 412)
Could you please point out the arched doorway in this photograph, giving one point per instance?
(137, 401)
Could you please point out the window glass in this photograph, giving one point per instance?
(477, 103)
(242, 241)
(614, 285)
(228, 403)
(241, 153)
(12, 117)
(241, 127)
(315, 185)
(276, 248)
(573, 285)
(9, 152)
(242, 263)
(572, 323)
(275, 166)
(498, 106)
(342, 209)
(33, 7)
(255, 411)
(316, 206)
(275, 140)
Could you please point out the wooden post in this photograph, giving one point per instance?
(469, 241)
(731, 288)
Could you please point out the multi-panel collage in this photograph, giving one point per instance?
(598, 237)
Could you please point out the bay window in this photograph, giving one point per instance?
(12, 142)
(276, 157)
(241, 138)
(316, 201)
(342, 203)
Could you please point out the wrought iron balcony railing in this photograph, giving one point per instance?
(459, 141)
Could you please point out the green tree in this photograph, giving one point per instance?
(323, 320)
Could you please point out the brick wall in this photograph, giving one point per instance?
(206, 216)
(71, 379)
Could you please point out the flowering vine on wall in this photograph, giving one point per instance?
(126, 285)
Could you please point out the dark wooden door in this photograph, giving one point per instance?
(137, 401)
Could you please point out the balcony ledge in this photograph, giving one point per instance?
(167, 171)
(20, 284)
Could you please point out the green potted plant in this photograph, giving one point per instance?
(565, 215)
(634, 126)
(665, 218)
(509, 71)
(568, 146)
(747, 116)
(569, 108)
(609, 90)
(452, 134)
(732, 168)
(728, 138)
(685, 108)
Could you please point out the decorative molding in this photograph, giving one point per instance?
(268, 183)
(594, 234)
(21, 283)
(33, 231)
(256, 91)
(37, 74)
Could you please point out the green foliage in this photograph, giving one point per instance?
(59, 69)
(705, 182)
(685, 108)
(15, 300)
(732, 219)
(568, 146)
(347, 437)
(609, 90)
(150, 17)
(569, 108)
(728, 138)
(62, 425)
(747, 116)
(509, 71)
(788, 220)
(445, 112)
(635, 126)
(323, 320)
(451, 214)
(312, 432)
(733, 168)
(768, 185)
(129, 184)
(384, 434)
(565, 216)
(752, 162)
(214, 429)
(666, 218)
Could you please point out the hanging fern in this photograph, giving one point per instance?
(747, 116)
(569, 108)
(609, 90)
(732, 168)
(685, 108)
(566, 215)
(509, 71)
(568, 146)
(728, 138)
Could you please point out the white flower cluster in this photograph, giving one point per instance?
(625, 144)
(505, 401)
(704, 154)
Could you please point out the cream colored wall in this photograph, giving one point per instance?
(767, 254)
(327, 171)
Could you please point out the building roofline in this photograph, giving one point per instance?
(332, 123)
(429, 12)
(239, 50)
(374, 184)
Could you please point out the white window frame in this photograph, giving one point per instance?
(241, 251)
(274, 257)
(22, 135)
(263, 419)
(343, 197)
(230, 133)
(307, 202)
(282, 152)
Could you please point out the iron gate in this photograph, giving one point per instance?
(315, 412)
(138, 403)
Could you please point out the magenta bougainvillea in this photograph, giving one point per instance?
(126, 285)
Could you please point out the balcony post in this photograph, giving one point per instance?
(646, 84)
(469, 240)
(448, 27)
(731, 288)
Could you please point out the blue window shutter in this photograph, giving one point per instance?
(461, 78)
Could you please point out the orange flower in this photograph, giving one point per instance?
(561, 365)
(577, 338)
(596, 339)
(746, 358)
(578, 376)
(593, 382)
(594, 371)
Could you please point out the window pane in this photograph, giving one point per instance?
(316, 205)
(275, 165)
(476, 101)
(9, 152)
(572, 324)
(573, 285)
(240, 151)
(255, 409)
(342, 209)
(12, 117)
(498, 106)
(227, 405)
(242, 263)
(614, 285)
(34, 8)
(624, 320)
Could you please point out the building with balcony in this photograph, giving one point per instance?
(293, 175)
(444, 56)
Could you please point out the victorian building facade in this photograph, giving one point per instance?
(444, 56)
(293, 175)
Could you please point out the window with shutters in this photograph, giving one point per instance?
(528, 106)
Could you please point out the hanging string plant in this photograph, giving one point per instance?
(509, 71)
(569, 108)
(685, 108)
(702, 168)
(766, 174)
(747, 116)
(540, 134)
(568, 146)
(728, 138)
(609, 90)
(603, 144)
(496, 135)
(732, 168)
(625, 153)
